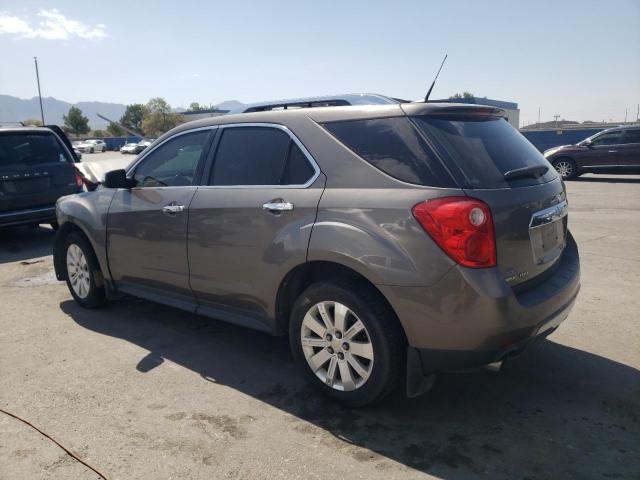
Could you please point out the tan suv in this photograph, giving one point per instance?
(390, 243)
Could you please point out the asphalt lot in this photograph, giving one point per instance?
(145, 391)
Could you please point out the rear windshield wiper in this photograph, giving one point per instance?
(532, 171)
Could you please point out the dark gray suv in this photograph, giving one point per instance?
(390, 242)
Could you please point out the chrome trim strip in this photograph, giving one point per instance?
(147, 151)
(549, 215)
(28, 211)
(609, 166)
(285, 129)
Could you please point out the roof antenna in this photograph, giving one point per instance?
(426, 98)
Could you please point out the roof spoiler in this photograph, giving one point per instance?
(453, 109)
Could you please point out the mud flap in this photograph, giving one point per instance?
(417, 382)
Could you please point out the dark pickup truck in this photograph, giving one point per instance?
(36, 168)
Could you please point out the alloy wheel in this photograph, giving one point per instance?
(78, 271)
(564, 168)
(337, 346)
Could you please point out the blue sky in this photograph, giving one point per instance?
(579, 59)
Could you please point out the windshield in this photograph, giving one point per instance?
(479, 151)
(28, 149)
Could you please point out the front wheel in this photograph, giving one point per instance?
(84, 277)
(347, 342)
(566, 168)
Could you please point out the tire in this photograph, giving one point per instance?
(381, 339)
(79, 259)
(566, 167)
(91, 150)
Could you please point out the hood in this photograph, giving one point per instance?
(95, 171)
(553, 150)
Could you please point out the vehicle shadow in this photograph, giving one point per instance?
(25, 243)
(555, 412)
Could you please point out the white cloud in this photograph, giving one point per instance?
(52, 26)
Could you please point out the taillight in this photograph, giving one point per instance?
(79, 181)
(462, 227)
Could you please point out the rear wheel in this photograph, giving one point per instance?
(84, 277)
(91, 150)
(566, 168)
(345, 339)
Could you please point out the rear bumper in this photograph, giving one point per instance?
(471, 317)
(28, 216)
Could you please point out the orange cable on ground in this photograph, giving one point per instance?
(69, 452)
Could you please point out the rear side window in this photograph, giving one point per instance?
(394, 146)
(30, 149)
(632, 136)
(479, 151)
(259, 156)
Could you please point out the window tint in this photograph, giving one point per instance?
(298, 170)
(632, 136)
(174, 163)
(30, 149)
(394, 146)
(259, 156)
(479, 151)
(609, 138)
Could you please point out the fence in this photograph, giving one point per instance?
(545, 139)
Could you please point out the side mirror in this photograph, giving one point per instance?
(587, 143)
(117, 179)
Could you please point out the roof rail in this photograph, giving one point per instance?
(322, 101)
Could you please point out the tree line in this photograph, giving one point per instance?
(149, 120)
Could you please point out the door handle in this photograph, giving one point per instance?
(613, 151)
(278, 206)
(172, 209)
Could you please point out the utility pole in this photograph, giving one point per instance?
(35, 59)
(556, 116)
(625, 115)
(538, 117)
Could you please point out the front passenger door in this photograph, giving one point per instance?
(604, 152)
(147, 224)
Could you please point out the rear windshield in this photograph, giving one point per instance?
(478, 152)
(30, 149)
(394, 146)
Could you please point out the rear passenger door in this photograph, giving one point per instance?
(251, 222)
(630, 149)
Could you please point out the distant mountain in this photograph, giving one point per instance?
(230, 105)
(14, 109)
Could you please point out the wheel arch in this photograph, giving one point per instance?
(63, 232)
(304, 275)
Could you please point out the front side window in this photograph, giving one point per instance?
(259, 156)
(174, 163)
(609, 138)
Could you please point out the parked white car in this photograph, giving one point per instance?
(129, 148)
(91, 146)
